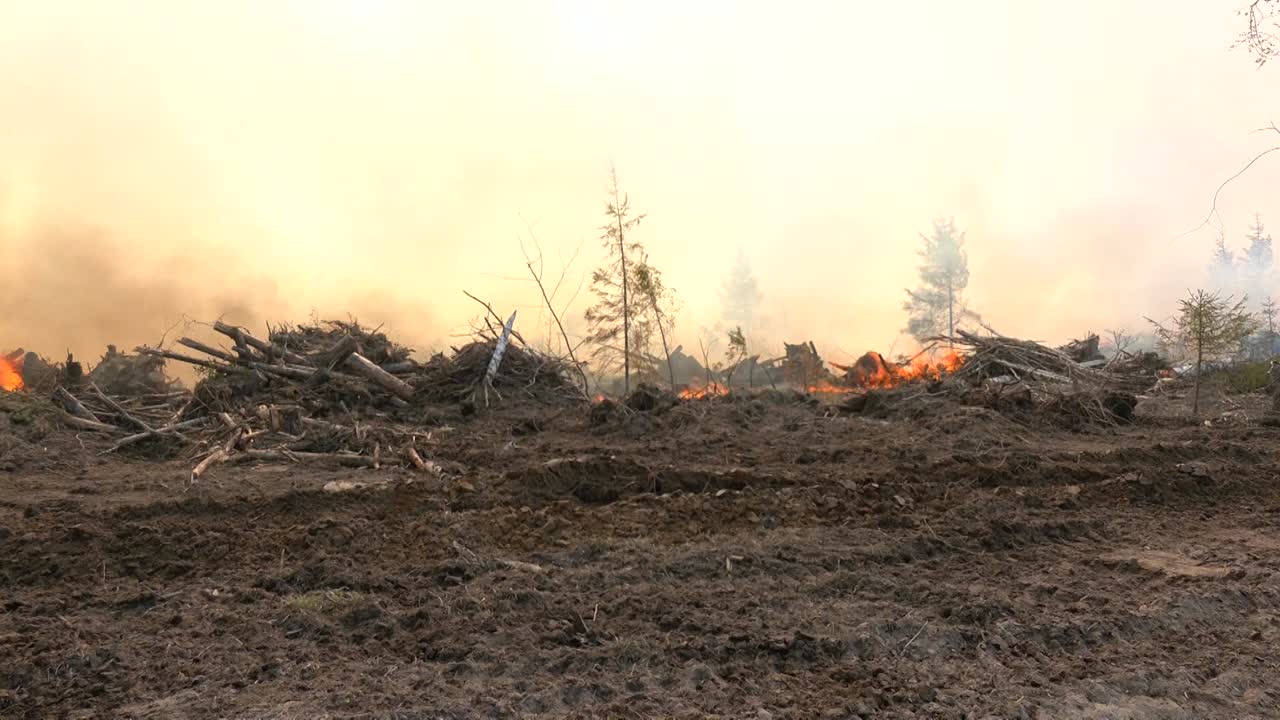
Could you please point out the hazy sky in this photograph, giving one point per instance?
(268, 159)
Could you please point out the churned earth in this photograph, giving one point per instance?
(737, 558)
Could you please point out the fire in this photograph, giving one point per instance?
(10, 377)
(923, 367)
(870, 371)
(873, 371)
(826, 387)
(703, 391)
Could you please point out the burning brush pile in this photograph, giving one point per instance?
(1018, 378)
(333, 392)
(873, 371)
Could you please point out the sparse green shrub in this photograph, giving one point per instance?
(1248, 377)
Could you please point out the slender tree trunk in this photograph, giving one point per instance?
(706, 361)
(951, 311)
(1195, 392)
(626, 306)
(1198, 323)
(671, 372)
(568, 346)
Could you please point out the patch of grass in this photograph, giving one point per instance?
(1247, 377)
(324, 601)
(25, 409)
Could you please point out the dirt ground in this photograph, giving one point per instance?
(758, 558)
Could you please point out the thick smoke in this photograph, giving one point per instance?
(76, 289)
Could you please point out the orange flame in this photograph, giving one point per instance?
(826, 387)
(10, 377)
(703, 391)
(927, 368)
(872, 371)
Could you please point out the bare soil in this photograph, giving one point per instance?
(757, 558)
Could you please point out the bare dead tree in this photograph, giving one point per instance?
(1121, 339)
(536, 267)
(706, 359)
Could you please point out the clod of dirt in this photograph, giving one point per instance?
(601, 413)
(1121, 406)
(648, 398)
(870, 403)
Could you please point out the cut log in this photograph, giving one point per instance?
(403, 367)
(208, 350)
(338, 354)
(365, 368)
(416, 459)
(217, 456)
(293, 372)
(334, 357)
(242, 337)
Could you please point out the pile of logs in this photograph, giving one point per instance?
(281, 363)
(1052, 379)
(333, 393)
(996, 356)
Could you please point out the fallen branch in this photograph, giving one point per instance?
(170, 355)
(74, 406)
(521, 565)
(219, 455)
(118, 408)
(537, 277)
(86, 424)
(416, 459)
(311, 457)
(169, 429)
(208, 350)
